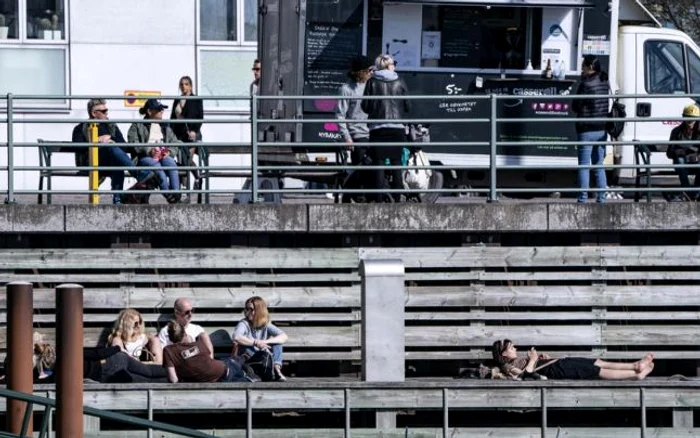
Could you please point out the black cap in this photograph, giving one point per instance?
(152, 104)
(360, 63)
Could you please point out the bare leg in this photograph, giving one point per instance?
(634, 366)
(156, 349)
(612, 374)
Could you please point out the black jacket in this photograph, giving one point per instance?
(193, 109)
(591, 108)
(385, 108)
(681, 150)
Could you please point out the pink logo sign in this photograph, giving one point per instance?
(331, 127)
(325, 105)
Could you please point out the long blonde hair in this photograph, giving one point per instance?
(123, 327)
(262, 316)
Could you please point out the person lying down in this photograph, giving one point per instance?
(535, 365)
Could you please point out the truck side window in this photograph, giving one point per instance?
(664, 67)
(693, 71)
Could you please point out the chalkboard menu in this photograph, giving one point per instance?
(461, 36)
(334, 11)
(329, 51)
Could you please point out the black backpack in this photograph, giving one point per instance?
(615, 128)
(262, 365)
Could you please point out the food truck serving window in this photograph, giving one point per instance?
(466, 35)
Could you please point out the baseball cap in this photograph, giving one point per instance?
(152, 104)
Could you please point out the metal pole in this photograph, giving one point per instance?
(249, 414)
(493, 196)
(20, 312)
(254, 151)
(347, 413)
(445, 414)
(69, 369)
(94, 180)
(149, 434)
(10, 152)
(543, 401)
(643, 404)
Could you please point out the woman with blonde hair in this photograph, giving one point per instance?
(255, 332)
(129, 334)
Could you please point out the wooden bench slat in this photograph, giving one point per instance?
(554, 335)
(130, 277)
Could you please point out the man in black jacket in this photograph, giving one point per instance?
(107, 133)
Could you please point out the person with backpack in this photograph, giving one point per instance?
(682, 154)
(258, 340)
(594, 82)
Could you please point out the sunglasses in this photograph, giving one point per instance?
(102, 111)
(137, 324)
(250, 309)
(186, 312)
(255, 68)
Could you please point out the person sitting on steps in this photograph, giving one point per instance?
(685, 153)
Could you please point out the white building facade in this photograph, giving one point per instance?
(112, 47)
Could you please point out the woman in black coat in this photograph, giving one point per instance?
(188, 132)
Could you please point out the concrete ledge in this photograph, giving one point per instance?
(624, 217)
(427, 217)
(18, 218)
(346, 218)
(186, 218)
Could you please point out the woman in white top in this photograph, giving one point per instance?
(129, 334)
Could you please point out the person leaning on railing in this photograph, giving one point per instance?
(156, 156)
(386, 82)
(685, 153)
(107, 133)
(191, 109)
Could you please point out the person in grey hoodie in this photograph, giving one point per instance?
(386, 82)
(355, 134)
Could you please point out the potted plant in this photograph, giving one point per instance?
(45, 28)
(4, 30)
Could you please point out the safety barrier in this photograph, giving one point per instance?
(301, 168)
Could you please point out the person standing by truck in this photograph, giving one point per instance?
(355, 134)
(594, 81)
(386, 82)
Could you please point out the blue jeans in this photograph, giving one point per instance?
(276, 352)
(683, 176)
(172, 177)
(587, 155)
(115, 156)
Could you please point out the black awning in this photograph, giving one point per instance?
(516, 3)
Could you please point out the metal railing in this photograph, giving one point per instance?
(50, 404)
(298, 169)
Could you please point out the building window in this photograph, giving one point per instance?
(34, 50)
(226, 47)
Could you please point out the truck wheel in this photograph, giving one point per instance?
(436, 182)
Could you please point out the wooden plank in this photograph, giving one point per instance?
(336, 336)
(167, 258)
(651, 335)
(308, 399)
(554, 256)
(545, 315)
(461, 432)
(206, 318)
(554, 295)
(126, 277)
(208, 297)
(555, 335)
(593, 397)
(209, 400)
(483, 276)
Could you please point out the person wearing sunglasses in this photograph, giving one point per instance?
(255, 332)
(158, 147)
(183, 310)
(112, 156)
(129, 334)
(255, 85)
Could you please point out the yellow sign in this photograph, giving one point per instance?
(136, 98)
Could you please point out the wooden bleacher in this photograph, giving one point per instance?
(614, 302)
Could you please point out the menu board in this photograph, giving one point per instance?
(334, 11)
(460, 45)
(329, 50)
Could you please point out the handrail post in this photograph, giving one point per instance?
(94, 180)
(69, 368)
(10, 151)
(493, 156)
(254, 149)
(20, 311)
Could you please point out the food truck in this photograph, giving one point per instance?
(471, 48)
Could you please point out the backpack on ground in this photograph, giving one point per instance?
(262, 364)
